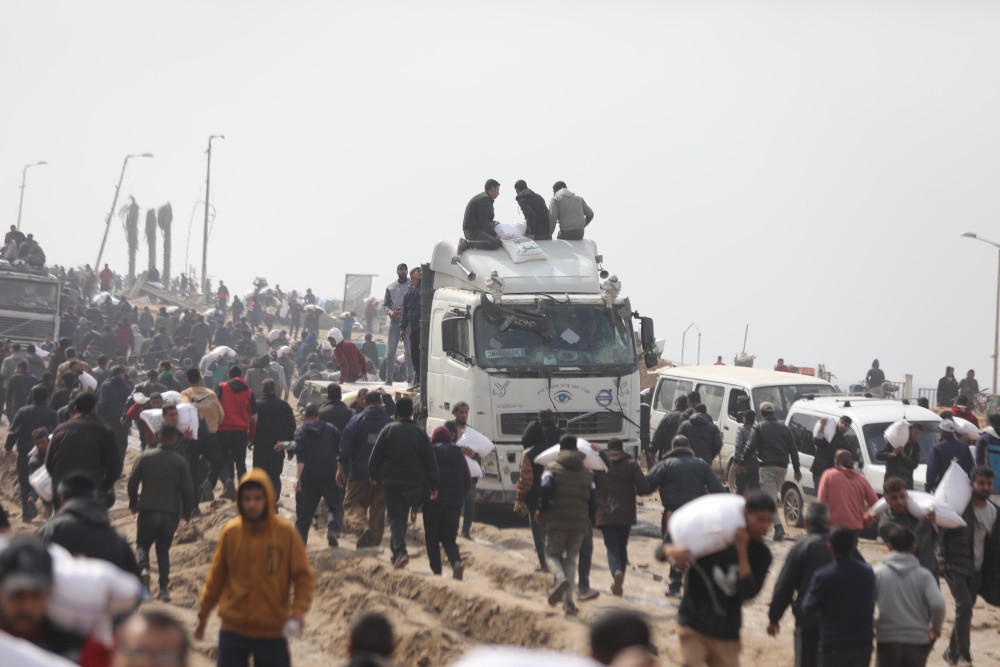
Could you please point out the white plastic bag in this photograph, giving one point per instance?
(475, 441)
(87, 593)
(954, 488)
(88, 381)
(171, 397)
(475, 470)
(523, 249)
(967, 428)
(152, 418)
(898, 434)
(41, 482)
(707, 524)
(919, 504)
(828, 432)
(187, 419)
(511, 230)
(592, 460)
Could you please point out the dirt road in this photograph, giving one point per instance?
(502, 599)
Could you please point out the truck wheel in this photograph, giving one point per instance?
(731, 476)
(792, 505)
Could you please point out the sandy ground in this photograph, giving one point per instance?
(501, 600)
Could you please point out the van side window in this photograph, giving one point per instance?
(668, 391)
(854, 445)
(711, 396)
(801, 426)
(738, 401)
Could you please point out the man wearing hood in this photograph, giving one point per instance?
(167, 489)
(112, 396)
(947, 389)
(349, 358)
(910, 605)
(35, 414)
(275, 423)
(704, 437)
(847, 493)
(260, 577)
(772, 444)
(567, 501)
(402, 461)
(616, 507)
(317, 444)
(569, 211)
(364, 502)
(441, 513)
(239, 406)
(83, 528)
(947, 449)
(680, 478)
(536, 215)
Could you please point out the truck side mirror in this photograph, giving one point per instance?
(647, 339)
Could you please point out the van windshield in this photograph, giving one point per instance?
(875, 437)
(585, 335)
(782, 396)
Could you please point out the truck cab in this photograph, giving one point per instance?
(513, 338)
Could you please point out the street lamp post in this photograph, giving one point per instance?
(996, 326)
(208, 182)
(24, 175)
(114, 202)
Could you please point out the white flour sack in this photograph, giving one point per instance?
(918, 504)
(829, 430)
(707, 524)
(522, 249)
(954, 488)
(592, 461)
(898, 434)
(475, 441)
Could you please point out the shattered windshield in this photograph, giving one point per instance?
(583, 335)
(27, 295)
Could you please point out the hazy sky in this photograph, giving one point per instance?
(806, 168)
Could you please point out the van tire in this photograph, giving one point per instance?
(731, 476)
(792, 506)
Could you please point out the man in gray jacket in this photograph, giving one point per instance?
(910, 605)
(569, 211)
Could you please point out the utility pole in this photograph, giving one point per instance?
(208, 183)
(24, 175)
(114, 202)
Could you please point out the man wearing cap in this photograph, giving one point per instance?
(457, 428)
(393, 306)
(25, 589)
(349, 358)
(478, 224)
(948, 448)
(772, 444)
(34, 415)
(83, 528)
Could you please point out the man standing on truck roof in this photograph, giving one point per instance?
(569, 211)
(478, 224)
(411, 326)
(947, 389)
(772, 444)
(393, 306)
(536, 215)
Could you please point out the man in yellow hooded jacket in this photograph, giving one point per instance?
(260, 578)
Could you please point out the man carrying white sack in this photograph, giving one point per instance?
(947, 449)
(970, 562)
(711, 611)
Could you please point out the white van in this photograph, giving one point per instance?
(870, 417)
(728, 390)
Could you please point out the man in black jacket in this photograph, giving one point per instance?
(704, 437)
(334, 411)
(970, 562)
(772, 443)
(34, 415)
(537, 437)
(902, 462)
(680, 478)
(808, 555)
(823, 458)
(947, 389)
(535, 211)
(478, 224)
(85, 444)
(317, 444)
(83, 528)
(663, 436)
(275, 423)
(403, 462)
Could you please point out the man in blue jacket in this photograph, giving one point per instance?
(317, 444)
(35, 414)
(842, 594)
(947, 449)
(364, 502)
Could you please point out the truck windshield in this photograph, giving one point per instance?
(585, 336)
(28, 296)
(782, 396)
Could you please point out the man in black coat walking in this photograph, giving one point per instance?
(32, 416)
(84, 444)
(317, 444)
(275, 423)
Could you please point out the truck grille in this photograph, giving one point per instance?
(25, 330)
(597, 423)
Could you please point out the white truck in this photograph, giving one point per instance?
(29, 304)
(553, 333)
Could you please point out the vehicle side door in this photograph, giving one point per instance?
(801, 425)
